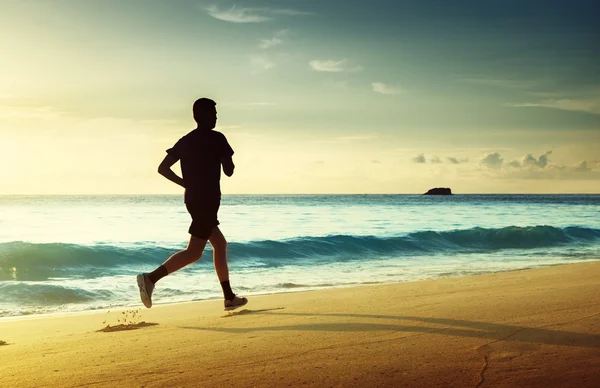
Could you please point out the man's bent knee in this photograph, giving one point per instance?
(217, 240)
(195, 247)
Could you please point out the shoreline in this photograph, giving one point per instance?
(535, 327)
(290, 291)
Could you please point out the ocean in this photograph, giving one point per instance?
(61, 254)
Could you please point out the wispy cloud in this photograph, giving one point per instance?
(250, 15)
(237, 15)
(290, 12)
(260, 63)
(268, 43)
(382, 88)
(276, 40)
(332, 65)
(578, 105)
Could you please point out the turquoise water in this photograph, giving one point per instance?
(62, 253)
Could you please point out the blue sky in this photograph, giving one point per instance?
(379, 96)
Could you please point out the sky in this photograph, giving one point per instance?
(314, 96)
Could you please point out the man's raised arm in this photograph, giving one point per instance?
(164, 169)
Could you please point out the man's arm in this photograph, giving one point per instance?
(164, 169)
(228, 165)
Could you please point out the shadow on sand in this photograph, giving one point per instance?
(445, 326)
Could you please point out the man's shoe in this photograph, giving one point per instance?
(235, 303)
(146, 288)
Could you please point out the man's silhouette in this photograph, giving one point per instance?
(201, 153)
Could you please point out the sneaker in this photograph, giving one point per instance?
(146, 287)
(235, 303)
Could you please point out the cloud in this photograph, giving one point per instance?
(250, 15)
(437, 160)
(583, 167)
(530, 161)
(291, 12)
(493, 160)
(237, 15)
(259, 63)
(453, 160)
(419, 159)
(530, 167)
(268, 43)
(577, 105)
(276, 40)
(382, 88)
(332, 65)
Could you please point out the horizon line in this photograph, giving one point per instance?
(282, 194)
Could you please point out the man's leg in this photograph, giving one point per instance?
(192, 253)
(219, 244)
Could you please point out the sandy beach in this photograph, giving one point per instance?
(529, 328)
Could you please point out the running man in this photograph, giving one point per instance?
(201, 154)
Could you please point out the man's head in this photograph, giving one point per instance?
(205, 113)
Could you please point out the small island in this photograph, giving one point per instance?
(439, 191)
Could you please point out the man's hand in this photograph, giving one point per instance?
(228, 166)
(164, 169)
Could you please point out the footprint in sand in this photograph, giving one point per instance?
(128, 326)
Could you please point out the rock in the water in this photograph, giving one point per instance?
(439, 191)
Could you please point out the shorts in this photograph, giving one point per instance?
(204, 217)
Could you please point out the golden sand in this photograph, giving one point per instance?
(530, 328)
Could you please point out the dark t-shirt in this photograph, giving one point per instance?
(200, 153)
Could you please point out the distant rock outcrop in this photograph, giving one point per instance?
(439, 191)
